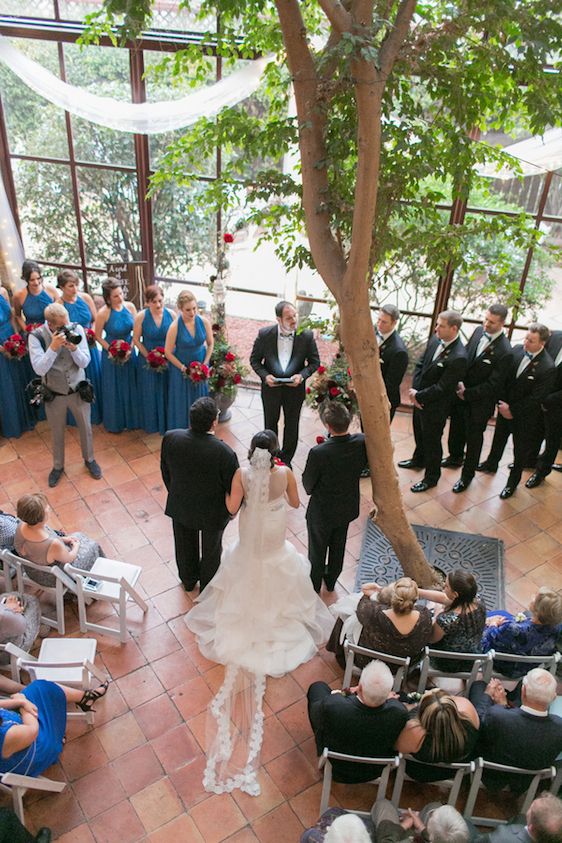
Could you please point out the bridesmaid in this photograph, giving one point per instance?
(189, 338)
(119, 398)
(16, 414)
(151, 327)
(30, 303)
(81, 309)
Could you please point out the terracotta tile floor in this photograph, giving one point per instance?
(137, 774)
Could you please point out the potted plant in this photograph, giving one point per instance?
(226, 372)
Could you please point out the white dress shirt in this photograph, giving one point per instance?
(284, 348)
(527, 358)
(42, 361)
(485, 341)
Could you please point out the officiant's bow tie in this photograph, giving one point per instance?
(288, 336)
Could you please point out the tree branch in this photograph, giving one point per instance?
(396, 36)
(338, 16)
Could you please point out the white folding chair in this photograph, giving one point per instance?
(325, 762)
(67, 661)
(549, 663)
(115, 584)
(17, 786)
(351, 650)
(60, 583)
(537, 776)
(481, 662)
(457, 773)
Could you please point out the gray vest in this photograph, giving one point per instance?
(64, 375)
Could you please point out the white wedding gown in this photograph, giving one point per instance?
(258, 616)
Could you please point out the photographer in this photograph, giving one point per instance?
(60, 354)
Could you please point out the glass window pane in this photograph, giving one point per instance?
(553, 207)
(110, 215)
(44, 194)
(34, 125)
(544, 281)
(29, 8)
(184, 235)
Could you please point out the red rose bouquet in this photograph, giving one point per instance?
(332, 383)
(14, 347)
(227, 370)
(119, 352)
(156, 360)
(90, 337)
(196, 372)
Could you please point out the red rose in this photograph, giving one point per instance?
(227, 237)
(321, 370)
(236, 378)
(278, 461)
(349, 371)
(320, 439)
(308, 390)
(334, 391)
(229, 357)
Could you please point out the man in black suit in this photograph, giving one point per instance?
(436, 376)
(284, 359)
(362, 722)
(529, 380)
(393, 354)
(543, 821)
(489, 355)
(331, 477)
(197, 469)
(526, 737)
(552, 417)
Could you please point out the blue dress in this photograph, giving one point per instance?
(79, 312)
(45, 750)
(520, 638)
(33, 309)
(119, 396)
(16, 414)
(181, 391)
(153, 386)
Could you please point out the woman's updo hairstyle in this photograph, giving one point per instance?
(184, 298)
(65, 276)
(107, 288)
(267, 440)
(404, 596)
(151, 292)
(465, 586)
(27, 268)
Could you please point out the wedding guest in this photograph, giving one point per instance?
(20, 619)
(534, 634)
(13, 831)
(16, 415)
(189, 340)
(36, 541)
(114, 324)
(149, 332)
(82, 310)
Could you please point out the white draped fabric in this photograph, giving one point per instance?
(139, 118)
(11, 248)
(534, 155)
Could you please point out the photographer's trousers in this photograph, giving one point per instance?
(56, 416)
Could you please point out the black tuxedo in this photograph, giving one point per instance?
(394, 362)
(510, 833)
(436, 383)
(331, 477)
(483, 382)
(514, 737)
(552, 411)
(524, 394)
(197, 469)
(304, 361)
(345, 724)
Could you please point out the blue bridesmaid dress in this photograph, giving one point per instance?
(33, 309)
(79, 312)
(47, 746)
(181, 391)
(153, 386)
(119, 396)
(16, 414)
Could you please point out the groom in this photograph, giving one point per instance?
(197, 469)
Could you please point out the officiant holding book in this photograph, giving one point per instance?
(284, 359)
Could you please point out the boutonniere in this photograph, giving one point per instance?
(440, 365)
(489, 362)
(530, 378)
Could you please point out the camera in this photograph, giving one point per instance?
(71, 336)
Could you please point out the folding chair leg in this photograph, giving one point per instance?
(326, 787)
(17, 801)
(60, 608)
(398, 783)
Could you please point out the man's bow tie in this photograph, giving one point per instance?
(486, 336)
(288, 336)
(529, 354)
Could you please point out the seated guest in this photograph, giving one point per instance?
(541, 824)
(399, 629)
(363, 721)
(436, 823)
(534, 635)
(527, 736)
(443, 729)
(20, 618)
(39, 543)
(459, 626)
(337, 826)
(8, 526)
(33, 723)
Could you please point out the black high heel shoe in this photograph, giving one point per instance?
(89, 697)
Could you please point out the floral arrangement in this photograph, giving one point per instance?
(14, 347)
(32, 327)
(196, 372)
(156, 360)
(332, 383)
(227, 370)
(90, 337)
(119, 352)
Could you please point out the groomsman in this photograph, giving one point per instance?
(436, 376)
(331, 478)
(489, 356)
(552, 417)
(284, 359)
(393, 354)
(529, 380)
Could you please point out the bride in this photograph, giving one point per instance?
(258, 616)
